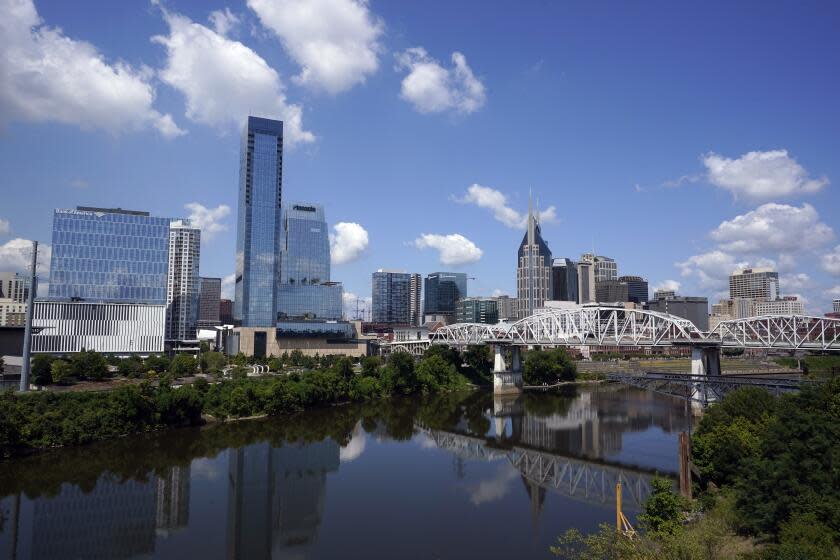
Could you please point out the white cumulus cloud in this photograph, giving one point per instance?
(667, 285)
(5, 227)
(223, 81)
(431, 88)
(761, 175)
(495, 201)
(774, 227)
(348, 242)
(224, 21)
(336, 42)
(208, 220)
(16, 256)
(796, 282)
(45, 76)
(454, 248)
(831, 261)
(711, 269)
(228, 285)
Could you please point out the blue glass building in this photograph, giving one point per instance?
(305, 290)
(110, 255)
(391, 297)
(443, 290)
(258, 236)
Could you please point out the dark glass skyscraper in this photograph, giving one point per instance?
(391, 297)
(258, 232)
(564, 280)
(443, 290)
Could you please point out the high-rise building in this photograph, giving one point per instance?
(788, 305)
(506, 307)
(12, 313)
(836, 304)
(611, 291)
(586, 280)
(664, 294)
(107, 254)
(443, 290)
(182, 285)
(209, 302)
(637, 288)
(416, 300)
(605, 267)
(754, 283)
(478, 310)
(533, 271)
(695, 309)
(391, 297)
(259, 228)
(14, 286)
(564, 280)
(226, 311)
(305, 290)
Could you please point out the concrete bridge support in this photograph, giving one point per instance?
(506, 381)
(705, 360)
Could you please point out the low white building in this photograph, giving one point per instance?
(789, 305)
(113, 328)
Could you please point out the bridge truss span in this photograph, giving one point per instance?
(788, 332)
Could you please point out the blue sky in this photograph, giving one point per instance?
(681, 140)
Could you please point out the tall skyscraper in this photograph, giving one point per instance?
(637, 288)
(259, 223)
(226, 311)
(182, 285)
(305, 290)
(109, 254)
(533, 272)
(415, 300)
(391, 295)
(443, 290)
(564, 280)
(14, 286)
(209, 302)
(754, 283)
(478, 310)
(836, 304)
(605, 267)
(611, 291)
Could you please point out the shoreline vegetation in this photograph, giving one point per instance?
(41, 420)
(769, 487)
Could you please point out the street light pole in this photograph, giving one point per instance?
(27, 333)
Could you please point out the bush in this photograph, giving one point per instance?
(159, 363)
(183, 365)
(89, 364)
(371, 366)
(130, 367)
(548, 367)
(663, 508)
(41, 369)
(213, 362)
(60, 371)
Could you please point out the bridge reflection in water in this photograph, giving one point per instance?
(576, 452)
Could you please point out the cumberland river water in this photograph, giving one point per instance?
(456, 476)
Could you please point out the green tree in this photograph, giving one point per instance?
(89, 364)
(399, 375)
(60, 371)
(479, 360)
(434, 373)
(41, 369)
(157, 362)
(663, 508)
(275, 364)
(371, 365)
(214, 362)
(805, 537)
(343, 366)
(130, 367)
(183, 365)
(548, 367)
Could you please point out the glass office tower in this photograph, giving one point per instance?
(259, 226)
(443, 290)
(391, 297)
(107, 254)
(305, 290)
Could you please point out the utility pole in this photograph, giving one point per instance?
(27, 333)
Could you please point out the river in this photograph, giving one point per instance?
(454, 476)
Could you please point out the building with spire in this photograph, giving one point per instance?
(533, 269)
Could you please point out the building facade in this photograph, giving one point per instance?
(611, 291)
(836, 304)
(664, 294)
(637, 288)
(533, 269)
(788, 305)
(107, 254)
(564, 280)
(506, 307)
(209, 302)
(586, 281)
(443, 290)
(416, 300)
(391, 297)
(305, 290)
(226, 311)
(754, 283)
(14, 286)
(258, 231)
(695, 309)
(118, 328)
(182, 285)
(604, 269)
(478, 310)
(12, 313)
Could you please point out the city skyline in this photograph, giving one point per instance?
(690, 144)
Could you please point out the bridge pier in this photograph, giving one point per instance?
(705, 360)
(506, 381)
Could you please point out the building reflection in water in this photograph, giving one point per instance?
(116, 519)
(276, 498)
